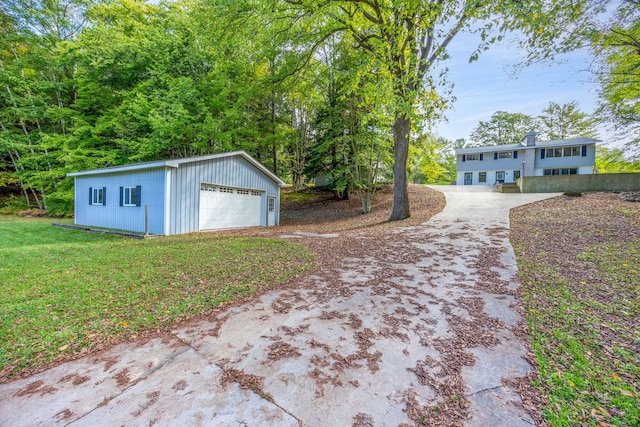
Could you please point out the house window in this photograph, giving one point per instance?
(516, 175)
(130, 196)
(505, 155)
(473, 156)
(564, 152)
(561, 171)
(554, 152)
(572, 151)
(96, 196)
(272, 204)
(482, 177)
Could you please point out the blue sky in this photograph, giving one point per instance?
(491, 84)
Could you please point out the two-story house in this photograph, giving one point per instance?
(506, 163)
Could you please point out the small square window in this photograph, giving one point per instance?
(482, 177)
(473, 156)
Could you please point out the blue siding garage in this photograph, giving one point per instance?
(179, 196)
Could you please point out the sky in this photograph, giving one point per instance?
(492, 84)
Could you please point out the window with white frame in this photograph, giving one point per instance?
(482, 177)
(96, 196)
(473, 157)
(129, 196)
(272, 204)
(564, 152)
(560, 171)
(505, 155)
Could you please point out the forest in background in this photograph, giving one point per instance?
(345, 89)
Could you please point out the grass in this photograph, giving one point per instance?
(64, 292)
(579, 262)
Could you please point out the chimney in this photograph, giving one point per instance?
(529, 139)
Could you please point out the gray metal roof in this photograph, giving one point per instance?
(539, 144)
(175, 163)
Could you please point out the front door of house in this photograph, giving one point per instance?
(468, 176)
(500, 176)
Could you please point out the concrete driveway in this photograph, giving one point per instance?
(424, 328)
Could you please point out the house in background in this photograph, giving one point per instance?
(168, 197)
(506, 163)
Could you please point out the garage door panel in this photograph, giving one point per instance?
(224, 207)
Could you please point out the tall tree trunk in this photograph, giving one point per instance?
(401, 130)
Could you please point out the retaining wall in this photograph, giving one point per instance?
(580, 183)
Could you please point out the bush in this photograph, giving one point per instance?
(12, 205)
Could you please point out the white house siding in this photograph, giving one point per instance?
(111, 214)
(490, 165)
(232, 171)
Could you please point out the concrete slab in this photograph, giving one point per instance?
(424, 315)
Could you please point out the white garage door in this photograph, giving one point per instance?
(226, 207)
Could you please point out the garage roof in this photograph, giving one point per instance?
(175, 163)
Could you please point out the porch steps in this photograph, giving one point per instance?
(508, 187)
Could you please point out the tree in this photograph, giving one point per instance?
(613, 161)
(351, 143)
(37, 94)
(409, 38)
(565, 121)
(617, 44)
(432, 160)
(502, 128)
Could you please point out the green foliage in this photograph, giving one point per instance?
(352, 146)
(64, 291)
(503, 128)
(565, 121)
(94, 83)
(556, 122)
(13, 204)
(617, 46)
(614, 161)
(432, 161)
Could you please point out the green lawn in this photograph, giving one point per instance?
(65, 291)
(579, 261)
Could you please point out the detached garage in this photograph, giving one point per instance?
(216, 191)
